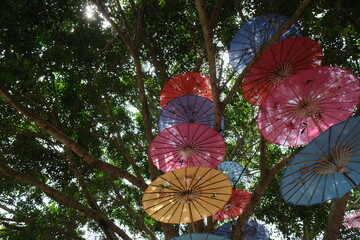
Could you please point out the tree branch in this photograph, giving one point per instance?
(239, 10)
(335, 218)
(210, 51)
(262, 159)
(117, 29)
(257, 194)
(132, 213)
(91, 200)
(61, 198)
(120, 143)
(75, 147)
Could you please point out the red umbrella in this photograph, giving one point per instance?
(308, 103)
(186, 145)
(191, 83)
(280, 61)
(234, 207)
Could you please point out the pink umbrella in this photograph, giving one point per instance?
(187, 145)
(352, 221)
(307, 103)
(235, 206)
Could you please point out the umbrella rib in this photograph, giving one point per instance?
(204, 129)
(180, 187)
(295, 184)
(207, 184)
(281, 127)
(321, 147)
(179, 91)
(347, 140)
(172, 139)
(216, 137)
(201, 177)
(181, 212)
(333, 116)
(181, 133)
(204, 199)
(296, 180)
(193, 186)
(157, 211)
(314, 179)
(176, 159)
(208, 158)
(176, 114)
(336, 79)
(329, 84)
(330, 95)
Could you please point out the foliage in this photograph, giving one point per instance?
(69, 66)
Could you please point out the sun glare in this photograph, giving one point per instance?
(89, 12)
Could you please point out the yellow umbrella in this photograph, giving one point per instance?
(187, 195)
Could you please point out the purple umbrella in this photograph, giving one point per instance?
(352, 221)
(251, 231)
(188, 109)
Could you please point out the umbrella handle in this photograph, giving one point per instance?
(316, 123)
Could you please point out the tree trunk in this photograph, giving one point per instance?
(336, 216)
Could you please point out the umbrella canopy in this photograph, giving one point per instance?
(251, 231)
(234, 207)
(327, 168)
(307, 103)
(186, 195)
(280, 61)
(232, 169)
(191, 83)
(185, 145)
(200, 236)
(252, 36)
(188, 109)
(352, 221)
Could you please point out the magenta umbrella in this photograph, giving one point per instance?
(307, 103)
(187, 145)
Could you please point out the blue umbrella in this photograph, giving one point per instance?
(200, 236)
(188, 109)
(251, 231)
(252, 36)
(327, 168)
(232, 169)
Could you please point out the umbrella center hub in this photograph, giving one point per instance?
(284, 71)
(306, 109)
(335, 162)
(188, 196)
(188, 151)
(192, 120)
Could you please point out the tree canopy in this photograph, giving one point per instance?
(80, 84)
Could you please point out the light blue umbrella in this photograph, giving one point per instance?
(251, 230)
(200, 236)
(252, 36)
(188, 109)
(327, 168)
(232, 169)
